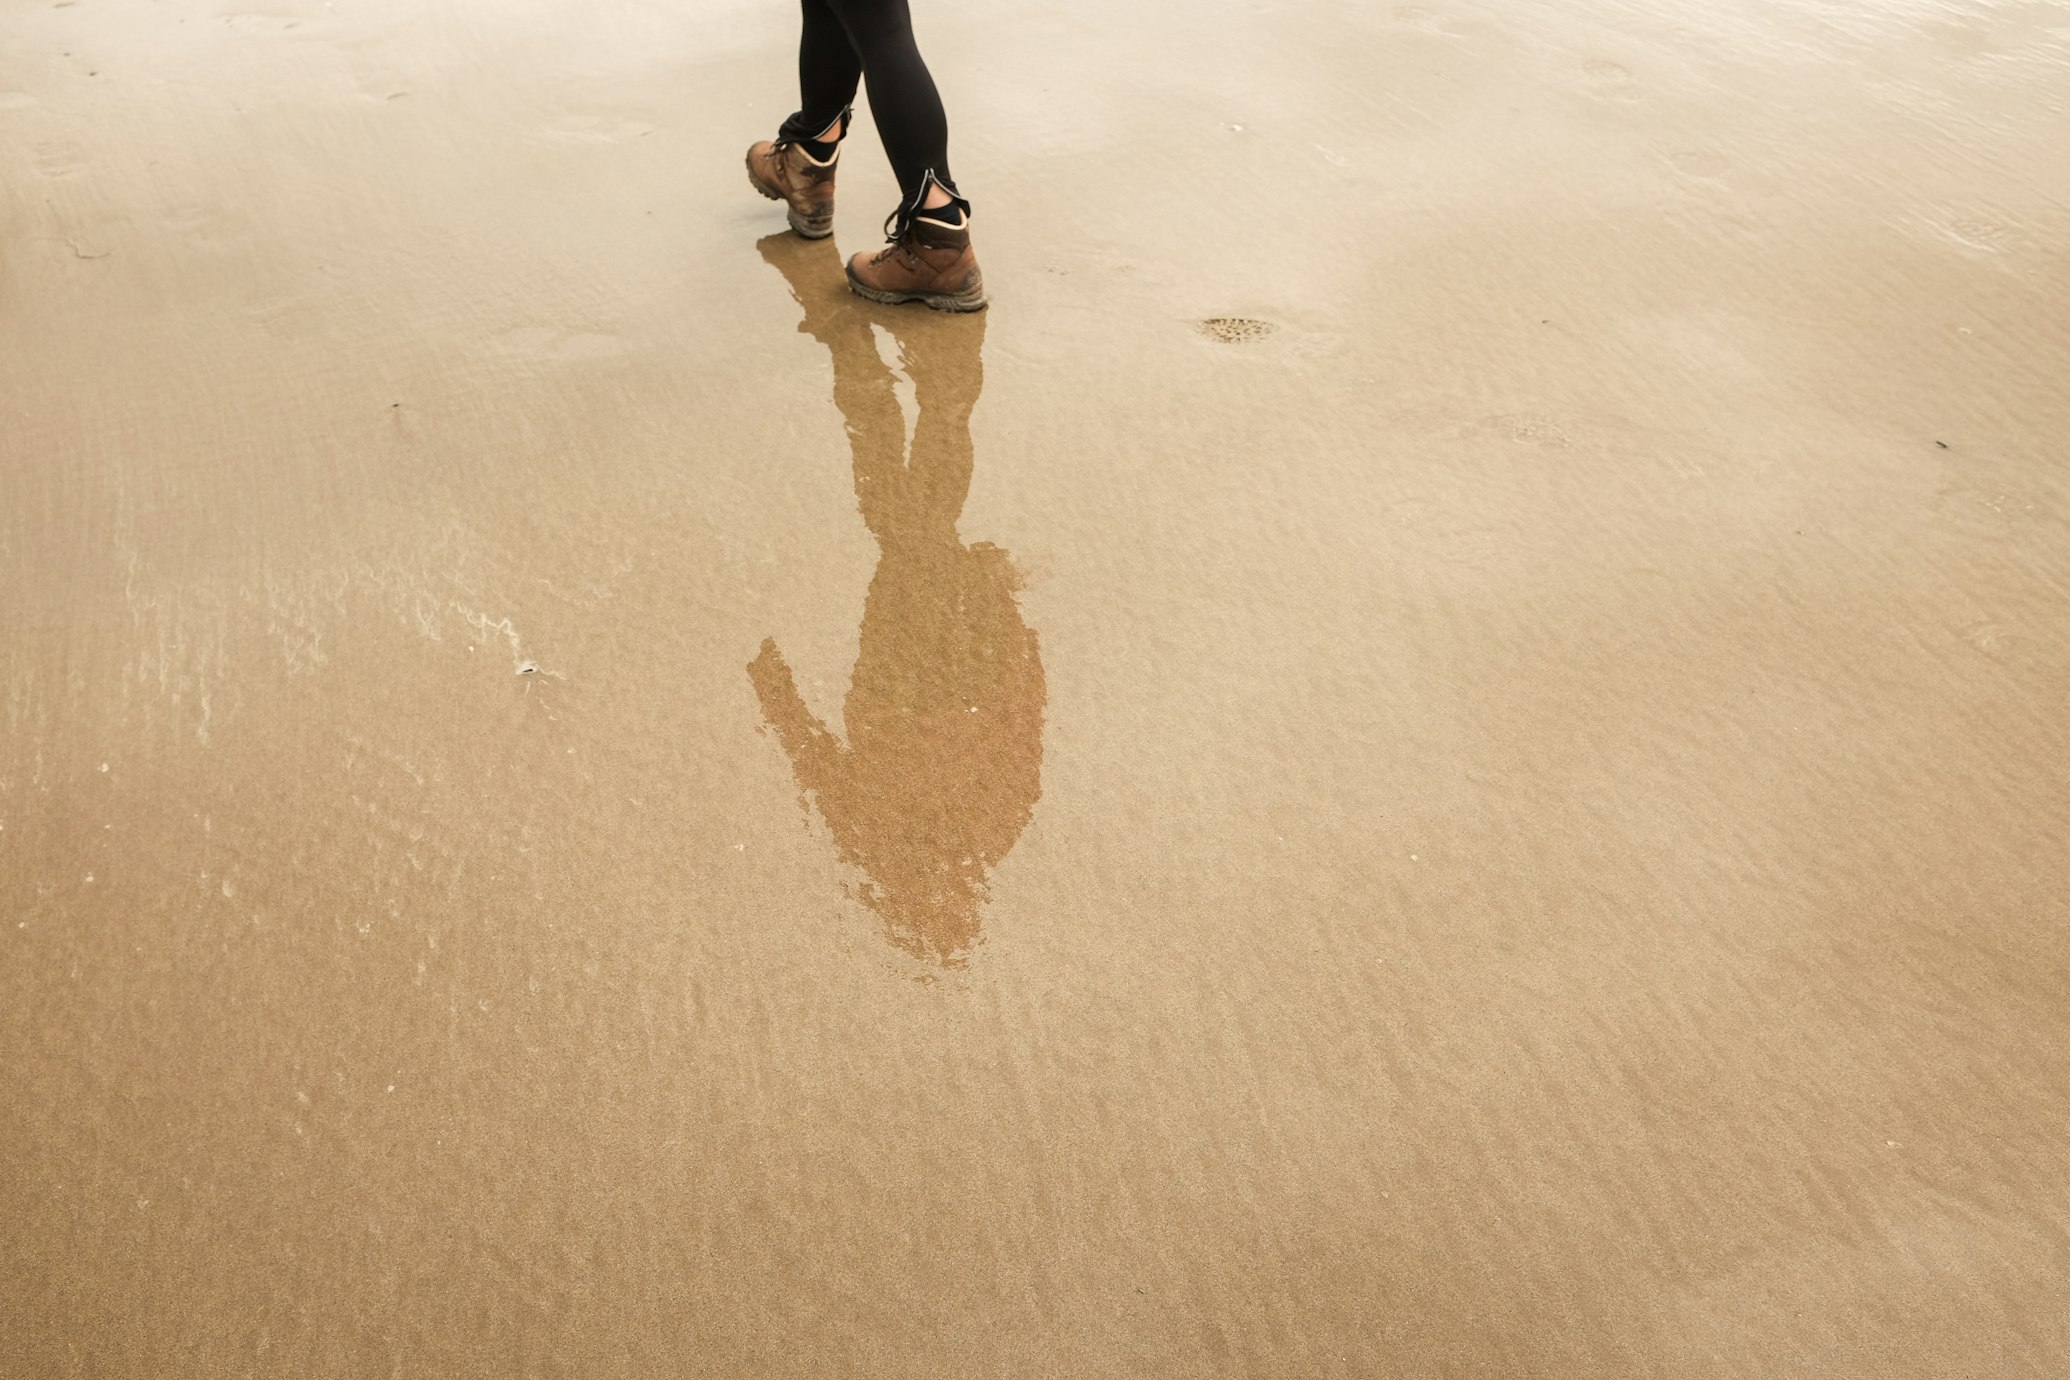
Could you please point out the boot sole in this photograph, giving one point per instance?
(807, 227)
(972, 300)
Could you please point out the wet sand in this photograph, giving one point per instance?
(1439, 749)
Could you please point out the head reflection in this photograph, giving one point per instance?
(941, 762)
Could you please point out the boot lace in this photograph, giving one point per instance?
(901, 242)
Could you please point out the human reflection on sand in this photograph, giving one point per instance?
(943, 759)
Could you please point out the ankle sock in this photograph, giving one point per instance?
(820, 152)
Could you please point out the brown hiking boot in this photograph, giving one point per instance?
(784, 172)
(929, 262)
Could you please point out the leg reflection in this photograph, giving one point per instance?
(941, 763)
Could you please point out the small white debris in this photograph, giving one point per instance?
(104, 766)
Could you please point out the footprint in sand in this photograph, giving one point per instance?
(2011, 246)
(1987, 637)
(1991, 509)
(1960, 40)
(287, 318)
(554, 345)
(76, 245)
(2012, 647)
(1234, 330)
(252, 22)
(1982, 234)
(208, 225)
(1530, 429)
(1430, 21)
(1610, 81)
(59, 161)
(595, 129)
(1700, 163)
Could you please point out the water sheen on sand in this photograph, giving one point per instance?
(1504, 815)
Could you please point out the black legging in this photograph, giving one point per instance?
(846, 40)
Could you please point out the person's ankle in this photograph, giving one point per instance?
(952, 212)
(822, 149)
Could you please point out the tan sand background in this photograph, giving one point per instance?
(1510, 819)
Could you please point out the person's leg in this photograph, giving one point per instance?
(797, 166)
(903, 98)
(828, 72)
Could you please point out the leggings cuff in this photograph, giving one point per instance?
(807, 124)
(910, 207)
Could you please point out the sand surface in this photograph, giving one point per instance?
(1440, 749)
